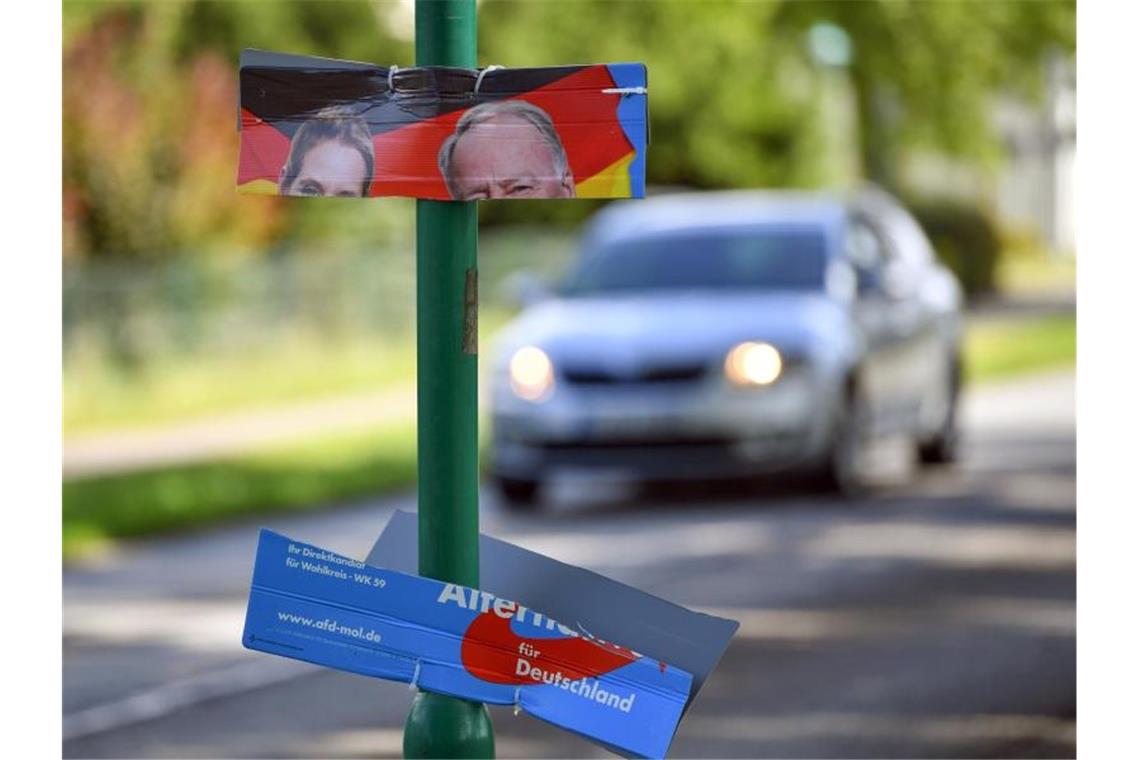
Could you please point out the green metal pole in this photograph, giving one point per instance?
(448, 480)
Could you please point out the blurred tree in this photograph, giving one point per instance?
(149, 93)
(733, 82)
(924, 73)
(149, 123)
(732, 102)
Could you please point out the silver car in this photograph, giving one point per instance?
(731, 334)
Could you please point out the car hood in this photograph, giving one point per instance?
(677, 326)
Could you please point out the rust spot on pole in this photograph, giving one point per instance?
(471, 313)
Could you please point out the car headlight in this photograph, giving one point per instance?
(532, 374)
(751, 364)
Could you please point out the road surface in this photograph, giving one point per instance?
(936, 617)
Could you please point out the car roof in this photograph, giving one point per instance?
(716, 210)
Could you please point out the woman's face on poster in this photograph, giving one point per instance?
(331, 168)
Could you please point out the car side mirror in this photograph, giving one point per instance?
(897, 281)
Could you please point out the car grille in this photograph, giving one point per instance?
(683, 373)
(642, 443)
(658, 458)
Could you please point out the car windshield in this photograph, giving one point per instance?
(758, 258)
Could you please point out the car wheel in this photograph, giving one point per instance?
(943, 447)
(842, 471)
(519, 495)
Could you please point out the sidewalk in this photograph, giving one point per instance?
(992, 308)
(232, 434)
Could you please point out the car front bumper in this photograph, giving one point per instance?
(706, 429)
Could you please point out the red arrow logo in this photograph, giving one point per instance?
(492, 651)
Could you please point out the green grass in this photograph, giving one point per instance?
(1002, 348)
(299, 477)
(302, 365)
(1035, 271)
(97, 399)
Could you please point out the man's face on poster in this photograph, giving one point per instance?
(330, 168)
(507, 156)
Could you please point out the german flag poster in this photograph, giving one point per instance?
(324, 127)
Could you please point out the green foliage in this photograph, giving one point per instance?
(150, 146)
(730, 105)
(735, 92)
(965, 238)
(150, 128)
(145, 138)
(924, 72)
(349, 29)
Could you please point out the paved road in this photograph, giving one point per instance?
(936, 618)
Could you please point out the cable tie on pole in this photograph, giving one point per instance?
(483, 73)
(391, 84)
(626, 91)
(416, 675)
(518, 696)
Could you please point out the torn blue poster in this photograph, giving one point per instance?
(314, 605)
